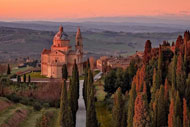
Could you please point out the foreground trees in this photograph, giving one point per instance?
(65, 114)
(159, 94)
(141, 117)
(74, 91)
(118, 108)
(64, 72)
(91, 119)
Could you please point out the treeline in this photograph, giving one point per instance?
(159, 93)
(89, 98)
(69, 98)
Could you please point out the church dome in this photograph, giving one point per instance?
(61, 35)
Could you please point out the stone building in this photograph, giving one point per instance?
(61, 53)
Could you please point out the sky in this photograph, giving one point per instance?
(66, 9)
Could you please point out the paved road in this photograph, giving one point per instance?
(81, 113)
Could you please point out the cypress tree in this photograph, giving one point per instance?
(85, 84)
(64, 72)
(177, 111)
(141, 117)
(117, 108)
(8, 70)
(63, 103)
(174, 64)
(124, 114)
(162, 114)
(72, 100)
(185, 114)
(155, 109)
(29, 79)
(132, 96)
(180, 76)
(18, 79)
(65, 114)
(74, 91)
(85, 87)
(24, 78)
(154, 87)
(171, 114)
(91, 119)
(159, 72)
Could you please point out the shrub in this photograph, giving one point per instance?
(25, 101)
(37, 106)
(13, 97)
(46, 105)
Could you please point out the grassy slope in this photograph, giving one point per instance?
(30, 121)
(6, 114)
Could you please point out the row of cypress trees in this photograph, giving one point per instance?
(89, 98)
(69, 100)
(69, 97)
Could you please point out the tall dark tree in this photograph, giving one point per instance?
(65, 114)
(120, 79)
(132, 96)
(87, 67)
(85, 87)
(162, 114)
(29, 79)
(180, 76)
(171, 114)
(18, 79)
(174, 64)
(64, 72)
(74, 91)
(8, 70)
(185, 114)
(24, 78)
(118, 108)
(178, 111)
(109, 82)
(141, 115)
(187, 90)
(159, 71)
(91, 119)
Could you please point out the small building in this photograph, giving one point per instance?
(52, 60)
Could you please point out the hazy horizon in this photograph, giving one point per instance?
(64, 10)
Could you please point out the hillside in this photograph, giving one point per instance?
(17, 42)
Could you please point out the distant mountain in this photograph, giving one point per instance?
(115, 24)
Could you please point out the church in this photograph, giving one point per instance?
(61, 53)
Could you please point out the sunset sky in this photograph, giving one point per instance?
(61, 9)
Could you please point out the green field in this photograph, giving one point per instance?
(36, 75)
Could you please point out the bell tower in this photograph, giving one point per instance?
(79, 45)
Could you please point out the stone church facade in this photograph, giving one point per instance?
(61, 53)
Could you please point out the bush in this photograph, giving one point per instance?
(46, 105)
(37, 106)
(25, 101)
(13, 97)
